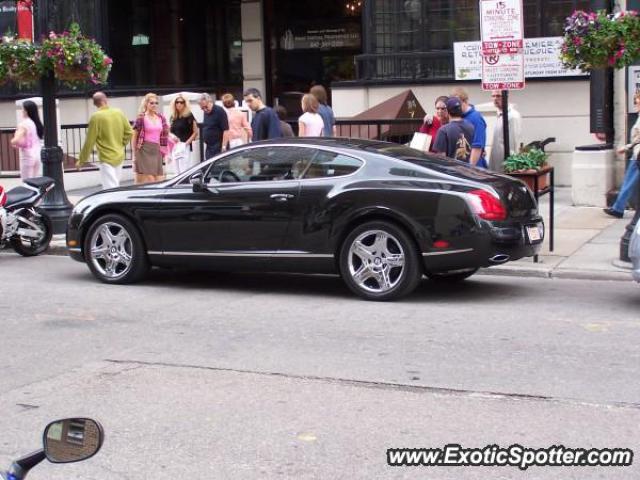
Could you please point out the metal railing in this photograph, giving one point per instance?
(398, 130)
(72, 137)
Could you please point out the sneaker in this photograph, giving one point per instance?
(613, 213)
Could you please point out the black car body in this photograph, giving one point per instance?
(290, 205)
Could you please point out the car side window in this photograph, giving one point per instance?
(329, 164)
(261, 164)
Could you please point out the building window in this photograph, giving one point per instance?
(171, 43)
(413, 39)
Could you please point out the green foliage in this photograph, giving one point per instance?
(533, 159)
(18, 61)
(597, 40)
(74, 59)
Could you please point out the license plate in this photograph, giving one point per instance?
(533, 233)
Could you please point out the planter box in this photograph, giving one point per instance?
(529, 177)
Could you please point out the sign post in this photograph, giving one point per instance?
(502, 45)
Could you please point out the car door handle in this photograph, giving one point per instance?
(281, 197)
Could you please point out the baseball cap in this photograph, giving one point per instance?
(454, 106)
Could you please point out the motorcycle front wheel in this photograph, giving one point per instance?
(28, 246)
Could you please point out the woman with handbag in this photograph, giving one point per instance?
(27, 140)
(149, 141)
(432, 123)
(185, 129)
(632, 175)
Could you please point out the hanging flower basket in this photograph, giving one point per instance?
(19, 61)
(600, 40)
(75, 59)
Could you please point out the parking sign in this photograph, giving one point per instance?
(502, 45)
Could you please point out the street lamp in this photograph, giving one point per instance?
(56, 203)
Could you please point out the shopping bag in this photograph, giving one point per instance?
(421, 141)
(179, 152)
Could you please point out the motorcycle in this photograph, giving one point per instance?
(64, 441)
(23, 225)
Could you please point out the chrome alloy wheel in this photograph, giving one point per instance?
(111, 250)
(376, 261)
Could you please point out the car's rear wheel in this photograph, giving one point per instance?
(378, 261)
(453, 277)
(114, 250)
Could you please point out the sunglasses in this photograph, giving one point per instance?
(179, 101)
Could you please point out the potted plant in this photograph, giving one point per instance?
(75, 59)
(600, 40)
(18, 61)
(527, 165)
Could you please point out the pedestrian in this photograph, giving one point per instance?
(287, 131)
(496, 159)
(325, 111)
(632, 175)
(265, 123)
(239, 128)
(150, 141)
(185, 128)
(454, 139)
(215, 126)
(470, 114)
(432, 123)
(310, 123)
(110, 131)
(27, 139)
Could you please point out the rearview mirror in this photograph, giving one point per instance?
(72, 440)
(197, 181)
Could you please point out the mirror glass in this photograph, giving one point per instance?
(72, 440)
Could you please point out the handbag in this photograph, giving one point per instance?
(420, 141)
(179, 152)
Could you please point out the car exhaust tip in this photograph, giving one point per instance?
(499, 258)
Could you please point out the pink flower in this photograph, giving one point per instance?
(612, 61)
(577, 41)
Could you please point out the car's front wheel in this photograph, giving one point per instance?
(378, 261)
(114, 250)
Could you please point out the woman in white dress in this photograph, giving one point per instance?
(310, 123)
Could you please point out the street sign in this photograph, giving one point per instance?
(501, 26)
(503, 72)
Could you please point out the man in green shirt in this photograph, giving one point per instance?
(110, 131)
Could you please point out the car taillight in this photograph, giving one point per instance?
(486, 206)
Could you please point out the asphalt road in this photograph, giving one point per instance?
(280, 376)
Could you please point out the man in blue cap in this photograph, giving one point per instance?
(454, 139)
(470, 114)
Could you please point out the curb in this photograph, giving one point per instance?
(560, 273)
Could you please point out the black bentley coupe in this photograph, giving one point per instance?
(380, 214)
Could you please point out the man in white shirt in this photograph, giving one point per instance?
(496, 159)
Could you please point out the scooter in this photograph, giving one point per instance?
(64, 441)
(25, 227)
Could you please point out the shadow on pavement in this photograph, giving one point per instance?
(470, 290)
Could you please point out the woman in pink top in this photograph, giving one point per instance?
(149, 141)
(27, 139)
(310, 123)
(239, 128)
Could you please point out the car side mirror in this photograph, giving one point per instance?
(72, 440)
(197, 182)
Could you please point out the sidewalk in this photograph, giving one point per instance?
(587, 243)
